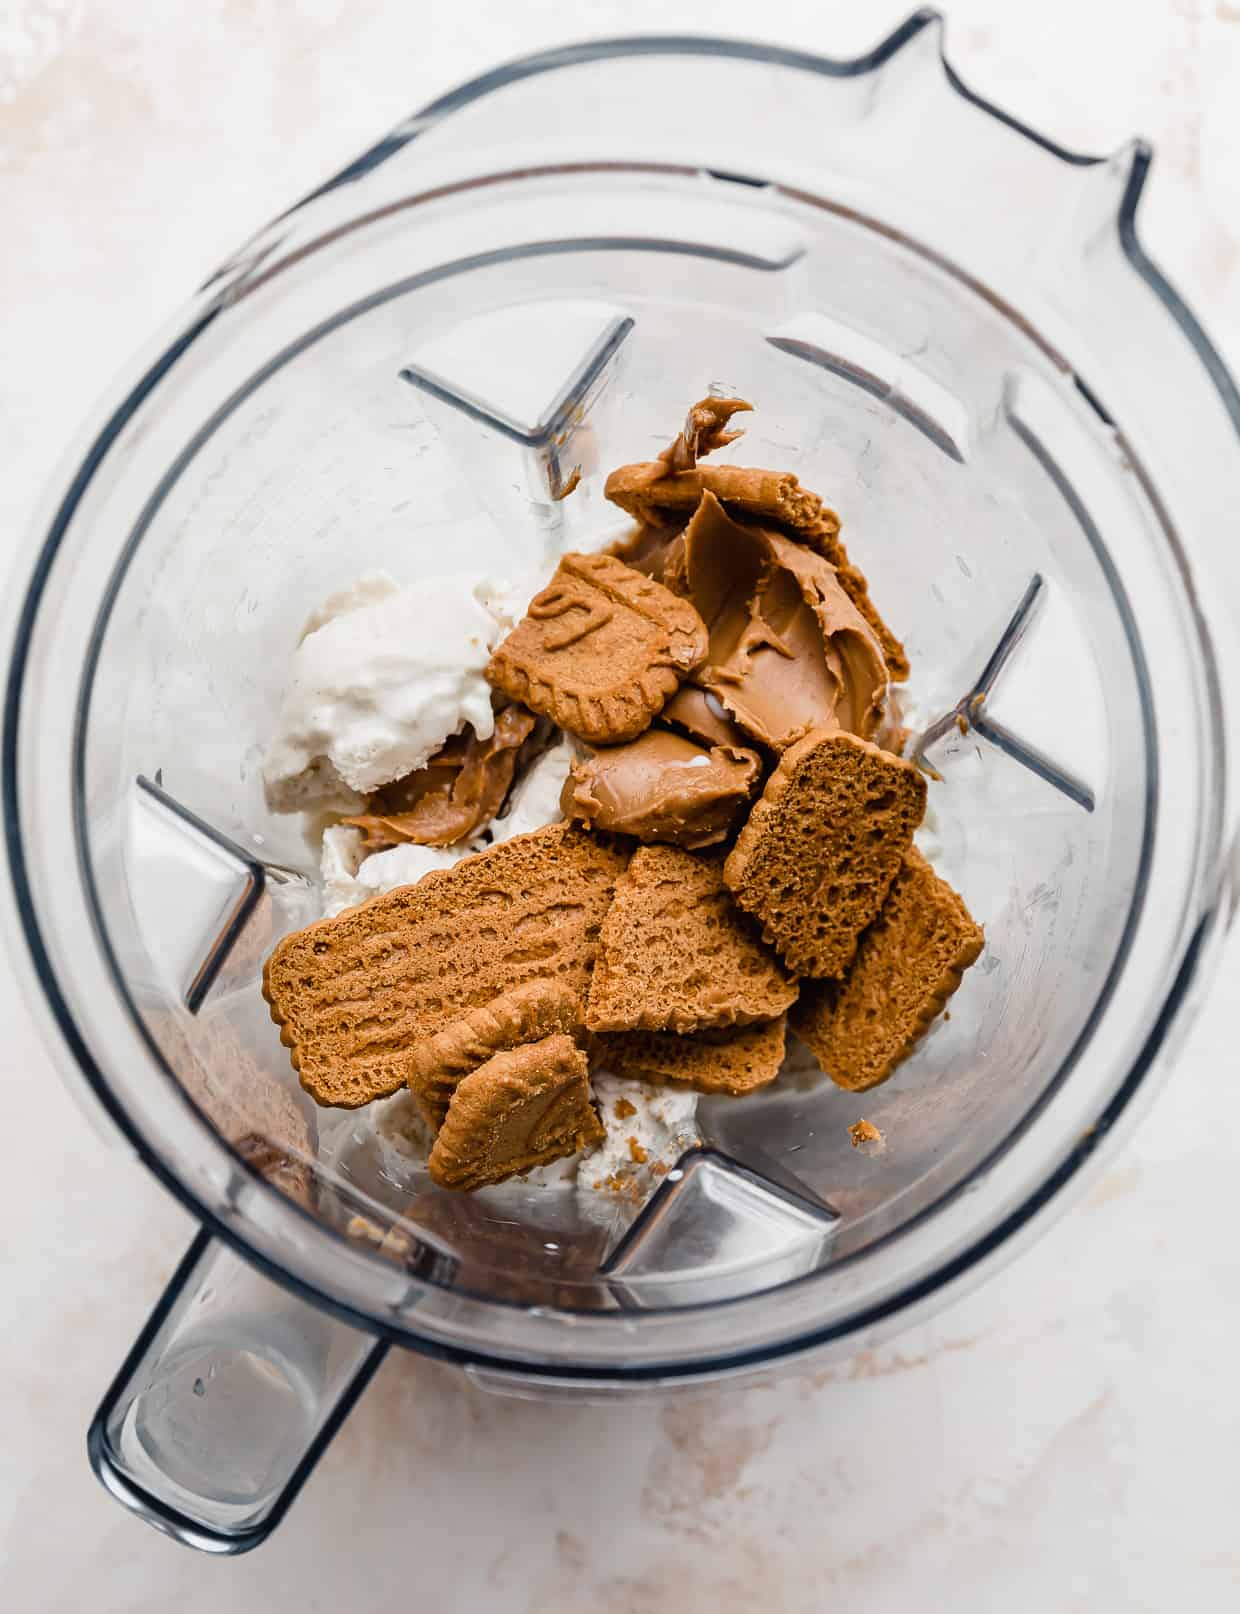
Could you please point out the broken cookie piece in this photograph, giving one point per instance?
(527, 1013)
(788, 650)
(675, 955)
(600, 649)
(650, 494)
(456, 794)
(732, 1062)
(355, 995)
(662, 787)
(523, 1108)
(907, 965)
(822, 846)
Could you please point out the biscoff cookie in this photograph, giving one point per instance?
(524, 1108)
(527, 1013)
(600, 649)
(355, 995)
(676, 955)
(907, 965)
(733, 1061)
(822, 845)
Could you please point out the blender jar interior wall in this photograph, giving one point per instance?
(311, 460)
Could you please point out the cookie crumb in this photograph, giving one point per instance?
(624, 1109)
(863, 1132)
(636, 1153)
(622, 1185)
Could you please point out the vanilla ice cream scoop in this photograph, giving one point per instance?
(383, 675)
(350, 877)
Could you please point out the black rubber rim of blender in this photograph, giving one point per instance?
(947, 1271)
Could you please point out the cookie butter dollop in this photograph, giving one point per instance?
(663, 787)
(789, 651)
(455, 795)
(702, 717)
(704, 430)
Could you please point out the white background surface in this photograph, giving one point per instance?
(1069, 1438)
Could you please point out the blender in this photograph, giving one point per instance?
(951, 330)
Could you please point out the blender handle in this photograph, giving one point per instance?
(230, 1395)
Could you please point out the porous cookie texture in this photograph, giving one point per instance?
(527, 1013)
(676, 955)
(355, 995)
(738, 1060)
(600, 649)
(822, 846)
(907, 965)
(523, 1108)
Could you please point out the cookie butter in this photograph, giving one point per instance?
(702, 716)
(655, 551)
(789, 651)
(662, 787)
(459, 790)
(704, 431)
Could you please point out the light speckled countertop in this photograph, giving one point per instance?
(1069, 1437)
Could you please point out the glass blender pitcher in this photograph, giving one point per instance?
(950, 330)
